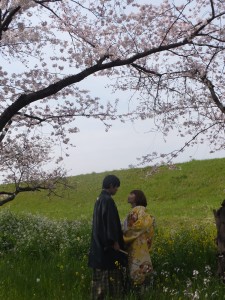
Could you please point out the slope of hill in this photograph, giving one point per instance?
(176, 196)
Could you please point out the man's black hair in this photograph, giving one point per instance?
(110, 180)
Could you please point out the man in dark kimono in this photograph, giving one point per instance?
(105, 257)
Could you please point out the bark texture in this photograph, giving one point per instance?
(220, 239)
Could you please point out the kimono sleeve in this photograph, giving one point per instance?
(141, 225)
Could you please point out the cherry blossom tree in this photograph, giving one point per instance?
(22, 159)
(169, 54)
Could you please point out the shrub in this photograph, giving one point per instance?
(38, 236)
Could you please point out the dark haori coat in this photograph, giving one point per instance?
(220, 239)
(106, 230)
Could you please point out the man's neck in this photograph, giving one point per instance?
(107, 191)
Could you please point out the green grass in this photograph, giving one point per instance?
(45, 256)
(186, 194)
(24, 278)
(184, 263)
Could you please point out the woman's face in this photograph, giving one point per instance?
(131, 200)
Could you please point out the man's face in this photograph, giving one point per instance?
(113, 189)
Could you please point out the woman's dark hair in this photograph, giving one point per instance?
(140, 199)
(110, 180)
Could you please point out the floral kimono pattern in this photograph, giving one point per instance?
(138, 234)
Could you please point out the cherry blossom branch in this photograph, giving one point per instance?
(46, 1)
(170, 27)
(175, 153)
(52, 89)
(49, 185)
(51, 117)
(207, 82)
(5, 24)
(27, 99)
(212, 7)
(48, 8)
(5, 130)
(209, 46)
(145, 70)
(32, 117)
(12, 195)
(54, 13)
(166, 53)
(86, 8)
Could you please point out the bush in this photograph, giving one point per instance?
(38, 236)
(184, 261)
(179, 249)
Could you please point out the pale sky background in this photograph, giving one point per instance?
(99, 151)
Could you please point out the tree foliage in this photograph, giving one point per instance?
(169, 53)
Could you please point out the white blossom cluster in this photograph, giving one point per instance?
(39, 236)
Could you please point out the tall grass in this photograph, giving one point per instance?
(39, 237)
(56, 278)
(45, 259)
(44, 242)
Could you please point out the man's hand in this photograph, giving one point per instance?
(116, 246)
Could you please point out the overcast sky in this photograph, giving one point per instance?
(99, 151)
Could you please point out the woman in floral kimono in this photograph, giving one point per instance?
(138, 233)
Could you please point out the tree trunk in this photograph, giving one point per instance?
(220, 240)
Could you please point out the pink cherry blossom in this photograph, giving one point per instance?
(169, 53)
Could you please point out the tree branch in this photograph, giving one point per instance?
(212, 7)
(170, 156)
(8, 20)
(5, 24)
(143, 69)
(175, 152)
(4, 131)
(12, 196)
(7, 199)
(26, 99)
(208, 83)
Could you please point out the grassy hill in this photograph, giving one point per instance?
(186, 194)
(50, 258)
